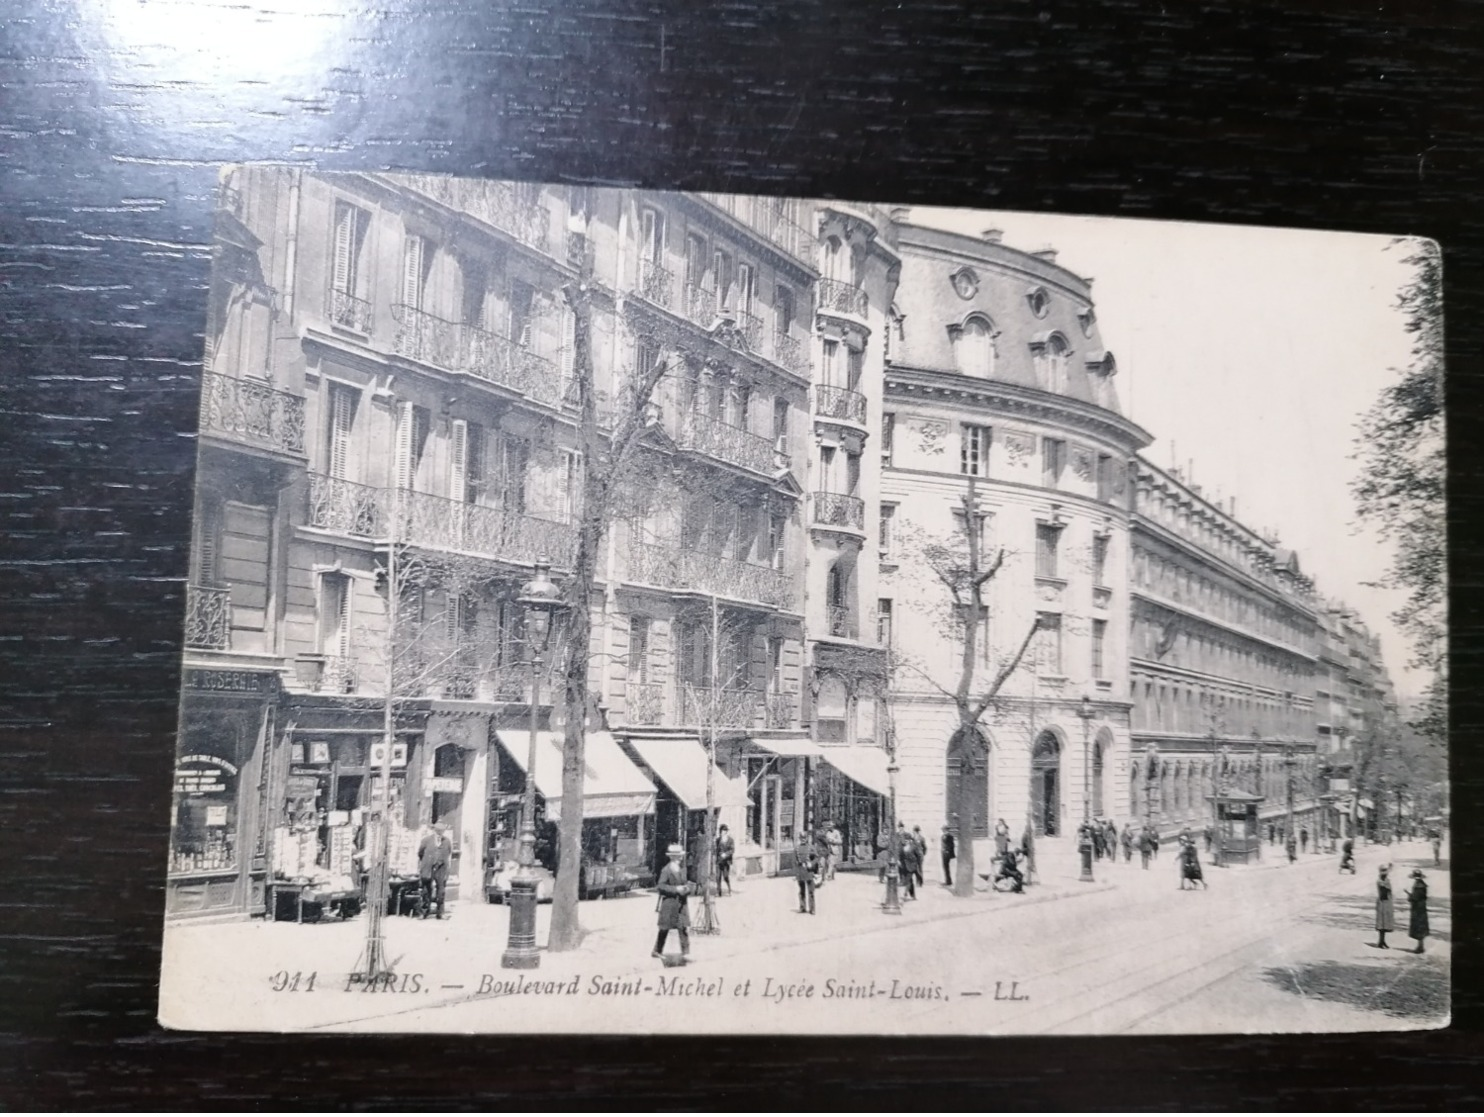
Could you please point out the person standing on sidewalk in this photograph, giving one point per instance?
(946, 845)
(1001, 838)
(919, 839)
(909, 858)
(434, 853)
(1146, 845)
(726, 849)
(806, 866)
(1417, 926)
(673, 889)
(1127, 840)
(834, 845)
(1385, 915)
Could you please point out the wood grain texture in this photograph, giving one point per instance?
(1323, 114)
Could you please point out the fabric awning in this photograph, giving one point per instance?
(865, 764)
(681, 764)
(787, 746)
(612, 784)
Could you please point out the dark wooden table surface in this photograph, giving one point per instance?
(114, 115)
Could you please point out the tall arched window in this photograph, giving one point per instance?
(976, 347)
(836, 261)
(1052, 354)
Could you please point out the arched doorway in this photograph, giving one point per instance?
(967, 782)
(1046, 784)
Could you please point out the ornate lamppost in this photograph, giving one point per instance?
(1223, 766)
(540, 598)
(1151, 766)
(1290, 842)
(1084, 833)
(892, 905)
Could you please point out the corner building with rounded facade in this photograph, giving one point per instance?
(997, 388)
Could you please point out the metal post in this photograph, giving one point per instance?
(892, 905)
(1291, 840)
(1084, 834)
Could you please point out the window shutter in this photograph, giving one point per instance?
(404, 446)
(453, 607)
(412, 272)
(475, 480)
(345, 220)
(342, 415)
(567, 354)
(458, 460)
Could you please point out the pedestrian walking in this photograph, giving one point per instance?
(1437, 846)
(434, 853)
(806, 872)
(726, 850)
(1146, 846)
(1190, 866)
(674, 890)
(919, 839)
(1347, 855)
(947, 847)
(1417, 898)
(1001, 838)
(909, 860)
(1028, 851)
(1385, 915)
(1110, 839)
(835, 844)
(1304, 840)
(1127, 841)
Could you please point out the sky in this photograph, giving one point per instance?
(1249, 354)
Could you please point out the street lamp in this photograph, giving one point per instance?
(1151, 766)
(1223, 767)
(1290, 842)
(892, 905)
(540, 598)
(1084, 835)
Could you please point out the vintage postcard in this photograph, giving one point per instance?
(623, 611)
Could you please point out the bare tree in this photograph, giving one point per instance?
(962, 568)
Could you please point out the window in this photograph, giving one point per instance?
(976, 348)
(334, 615)
(974, 451)
(413, 425)
(741, 401)
(1039, 301)
(1053, 458)
(652, 236)
(415, 256)
(1048, 536)
(746, 287)
(511, 469)
(775, 665)
(777, 529)
(721, 272)
(888, 430)
(888, 515)
(639, 650)
(780, 421)
(695, 259)
(836, 261)
(1100, 560)
(1099, 634)
(852, 473)
(1105, 477)
(855, 367)
(830, 365)
(351, 223)
(570, 480)
(341, 422)
(1049, 639)
(783, 310)
(466, 461)
(883, 622)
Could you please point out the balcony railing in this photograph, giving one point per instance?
(781, 711)
(845, 404)
(459, 347)
(723, 707)
(341, 674)
(656, 564)
(656, 283)
(208, 617)
(510, 207)
(702, 434)
(256, 414)
(437, 523)
(698, 304)
(770, 219)
(646, 703)
(791, 353)
(840, 623)
(838, 297)
(839, 510)
(348, 311)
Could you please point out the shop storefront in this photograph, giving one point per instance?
(618, 829)
(218, 840)
(677, 766)
(777, 773)
(852, 791)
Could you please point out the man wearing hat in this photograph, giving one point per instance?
(1417, 926)
(434, 853)
(726, 850)
(673, 889)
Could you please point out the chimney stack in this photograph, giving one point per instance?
(1047, 253)
(992, 236)
(899, 214)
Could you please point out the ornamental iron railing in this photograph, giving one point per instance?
(700, 433)
(791, 353)
(722, 707)
(839, 510)
(208, 617)
(510, 207)
(845, 404)
(348, 311)
(838, 297)
(460, 347)
(656, 283)
(839, 622)
(252, 413)
(770, 218)
(646, 703)
(657, 564)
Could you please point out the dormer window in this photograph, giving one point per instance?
(1039, 301)
(1087, 318)
(974, 346)
(965, 283)
(1051, 353)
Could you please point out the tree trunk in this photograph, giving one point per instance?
(963, 803)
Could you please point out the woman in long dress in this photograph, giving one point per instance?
(1385, 915)
(1417, 926)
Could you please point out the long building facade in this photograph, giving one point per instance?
(389, 444)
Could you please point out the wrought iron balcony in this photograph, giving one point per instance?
(791, 353)
(839, 510)
(722, 707)
(702, 434)
(656, 283)
(840, 623)
(441, 524)
(697, 571)
(781, 711)
(839, 297)
(344, 506)
(459, 347)
(770, 219)
(646, 703)
(510, 207)
(348, 311)
(251, 413)
(698, 304)
(341, 674)
(208, 617)
(845, 404)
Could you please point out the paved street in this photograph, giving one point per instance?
(1267, 948)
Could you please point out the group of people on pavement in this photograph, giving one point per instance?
(1417, 924)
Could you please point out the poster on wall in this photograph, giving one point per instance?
(1042, 652)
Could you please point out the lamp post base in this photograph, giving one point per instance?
(1084, 848)
(892, 905)
(520, 950)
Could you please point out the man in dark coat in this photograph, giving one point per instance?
(1417, 925)
(948, 845)
(1146, 845)
(806, 866)
(673, 889)
(434, 853)
(726, 850)
(909, 859)
(919, 839)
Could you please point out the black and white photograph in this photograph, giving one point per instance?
(622, 611)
